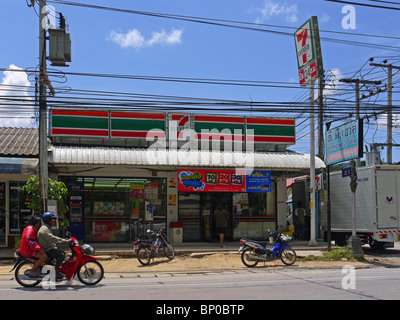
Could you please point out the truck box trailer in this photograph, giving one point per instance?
(377, 206)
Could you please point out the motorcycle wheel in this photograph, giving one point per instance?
(21, 275)
(90, 273)
(247, 261)
(288, 256)
(144, 255)
(169, 251)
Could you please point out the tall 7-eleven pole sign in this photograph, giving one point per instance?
(309, 62)
(308, 50)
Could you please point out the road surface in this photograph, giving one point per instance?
(249, 284)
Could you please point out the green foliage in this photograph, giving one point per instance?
(336, 254)
(17, 243)
(56, 191)
(339, 254)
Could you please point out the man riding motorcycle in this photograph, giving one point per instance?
(48, 241)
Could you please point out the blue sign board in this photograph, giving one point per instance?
(258, 181)
(346, 172)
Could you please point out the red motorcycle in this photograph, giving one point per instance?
(81, 263)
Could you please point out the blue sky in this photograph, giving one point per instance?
(121, 43)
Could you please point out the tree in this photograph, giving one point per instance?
(56, 191)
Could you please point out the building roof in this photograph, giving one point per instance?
(149, 158)
(19, 142)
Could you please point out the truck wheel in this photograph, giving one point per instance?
(375, 245)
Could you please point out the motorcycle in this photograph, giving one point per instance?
(256, 251)
(149, 249)
(80, 263)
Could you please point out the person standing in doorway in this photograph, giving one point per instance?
(300, 215)
(221, 222)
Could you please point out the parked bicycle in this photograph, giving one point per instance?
(148, 249)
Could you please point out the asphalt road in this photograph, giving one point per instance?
(250, 284)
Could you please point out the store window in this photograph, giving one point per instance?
(112, 205)
(254, 213)
(19, 213)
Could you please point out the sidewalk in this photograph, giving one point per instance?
(126, 249)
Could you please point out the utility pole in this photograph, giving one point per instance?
(389, 112)
(321, 84)
(43, 162)
(357, 83)
(313, 241)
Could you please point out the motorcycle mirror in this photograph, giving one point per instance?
(67, 234)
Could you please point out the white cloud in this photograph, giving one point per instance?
(381, 122)
(332, 82)
(15, 85)
(134, 38)
(272, 8)
(324, 18)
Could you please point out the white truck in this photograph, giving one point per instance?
(377, 206)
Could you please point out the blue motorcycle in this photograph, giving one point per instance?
(255, 251)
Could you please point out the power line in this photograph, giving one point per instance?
(230, 82)
(230, 23)
(364, 4)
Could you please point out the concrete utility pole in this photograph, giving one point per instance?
(389, 112)
(357, 83)
(354, 241)
(43, 164)
(321, 84)
(313, 241)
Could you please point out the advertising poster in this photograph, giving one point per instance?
(258, 181)
(107, 231)
(136, 195)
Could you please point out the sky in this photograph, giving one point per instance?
(112, 42)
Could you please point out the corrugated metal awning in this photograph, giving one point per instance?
(150, 158)
(18, 165)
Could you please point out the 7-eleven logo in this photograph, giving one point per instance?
(182, 122)
(304, 48)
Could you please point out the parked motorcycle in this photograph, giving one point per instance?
(256, 251)
(149, 249)
(80, 263)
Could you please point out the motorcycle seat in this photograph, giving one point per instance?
(263, 243)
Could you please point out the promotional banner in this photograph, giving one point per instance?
(192, 180)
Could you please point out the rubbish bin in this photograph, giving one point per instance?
(175, 232)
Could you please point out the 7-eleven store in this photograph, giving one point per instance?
(121, 166)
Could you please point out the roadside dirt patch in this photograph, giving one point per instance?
(217, 261)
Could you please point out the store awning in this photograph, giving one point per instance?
(18, 165)
(172, 159)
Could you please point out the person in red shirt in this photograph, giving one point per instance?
(29, 246)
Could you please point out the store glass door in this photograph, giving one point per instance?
(225, 200)
(189, 215)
